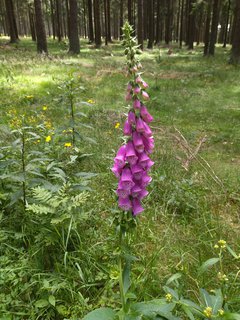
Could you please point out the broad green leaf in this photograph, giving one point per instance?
(101, 314)
(231, 316)
(126, 277)
(188, 312)
(42, 303)
(233, 253)
(173, 278)
(217, 301)
(153, 307)
(206, 298)
(207, 264)
(52, 300)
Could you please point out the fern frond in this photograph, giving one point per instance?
(41, 195)
(39, 209)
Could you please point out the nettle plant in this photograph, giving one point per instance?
(131, 166)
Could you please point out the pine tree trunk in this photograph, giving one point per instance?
(53, 19)
(74, 45)
(11, 21)
(168, 23)
(151, 23)
(226, 27)
(235, 53)
(90, 22)
(130, 19)
(106, 22)
(109, 21)
(32, 23)
(140, 23)
(121, 18)
(181, 25)
(214, 27)
(191, 25)
(207, 29)
(40, 28)
(59, 23)
(97, 23)
(145, 19)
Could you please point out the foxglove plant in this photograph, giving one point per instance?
(132, 162)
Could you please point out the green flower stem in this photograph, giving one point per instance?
(121, 266)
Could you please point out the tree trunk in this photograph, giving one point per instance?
(109, 21)
(226, 27)
(53, 19)
(59, 23)
(40, 29)
(130, 19)
(106, 22)
(11, 21)
(181, 25)
(191, 25)
(121, 18)
(207, 29)
(97, 23)
(74, 45)
(235, 53)
(151, 23)
(214, 27)
(140, 23)
(32, 23)
(90, 22)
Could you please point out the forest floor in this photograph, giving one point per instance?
(194, 196)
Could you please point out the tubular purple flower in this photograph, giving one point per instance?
(145, 114)
(136, 104)
(131, 118)
(145, 85)
(126, 179)
(129, 87)
(131, 155)
(137, 171)
(148, 144)
(128, 96)
(140, 125)
(145, 95)
(143, 194)
(121, 157)
(136, 191)
(136, 90)
(136, 206)
(147, 131)
(143, 160)
(150, 163)
(138, 142)
(146, 179)
(138, 80)
(121, 192)
(127, 129)
(116, 170)
(125, 204)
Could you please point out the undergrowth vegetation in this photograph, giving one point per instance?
(61, 119)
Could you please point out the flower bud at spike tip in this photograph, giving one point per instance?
(132, 162)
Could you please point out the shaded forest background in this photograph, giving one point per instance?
(181, 22)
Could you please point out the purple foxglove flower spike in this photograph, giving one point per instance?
(132, 162)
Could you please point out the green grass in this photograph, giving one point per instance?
(187, 212)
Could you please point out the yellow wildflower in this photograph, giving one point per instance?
(222, 277)
(168, 297)
(216, 246)
(44, 108)
(67, 144)
(208, 312)
(91, 101)
(48, 139)
(221, 312)
(222, 244)
(29, 97)
(117, 125)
